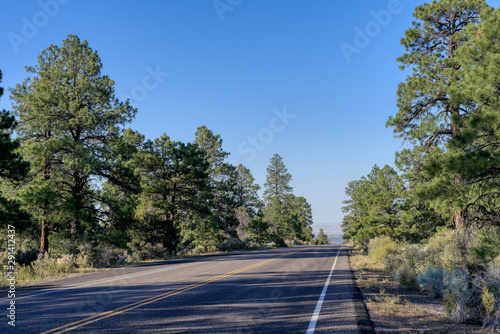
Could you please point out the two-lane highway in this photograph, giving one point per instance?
(266, 291)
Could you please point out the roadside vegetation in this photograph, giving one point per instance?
(434, 224)
(81, 190)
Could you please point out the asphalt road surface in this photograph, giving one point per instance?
(284, 290)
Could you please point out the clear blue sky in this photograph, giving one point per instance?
(234, 65)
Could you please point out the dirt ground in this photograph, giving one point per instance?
(394, 309)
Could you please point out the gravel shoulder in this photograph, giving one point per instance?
(394, 309)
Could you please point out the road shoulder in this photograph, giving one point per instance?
(393, 309)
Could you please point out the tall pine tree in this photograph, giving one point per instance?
(473, 155)
(68, 114)
(428, 116)
(277, 181)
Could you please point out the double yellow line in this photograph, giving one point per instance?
(104, 315)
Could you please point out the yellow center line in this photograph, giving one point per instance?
(128, 307)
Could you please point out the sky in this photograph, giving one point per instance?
(313, 81)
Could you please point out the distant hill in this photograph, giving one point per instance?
(335, 240)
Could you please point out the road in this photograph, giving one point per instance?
(265, 291)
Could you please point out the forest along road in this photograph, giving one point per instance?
(265, 291)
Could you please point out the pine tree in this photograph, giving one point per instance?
(302, 218)
(473, 155)
(12, 169)
(322, 238)
(68, 114)
(428, 115)
(223, 178)
(246, 191)
(258, 229)
(122, 189)
(277, 180)
(374, 205)
(279, 215)
(175, 185)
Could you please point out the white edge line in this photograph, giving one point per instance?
(317, 310)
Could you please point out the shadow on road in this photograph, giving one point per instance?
(280, 300)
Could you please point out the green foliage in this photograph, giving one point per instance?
(426, 114)
(488, 247)
(223, 179)
(322, 238)
(406, 277)
(99, 194)
(452, 249)
(206, 235)
(381, 247)
(243, 222)
(13, 169)
(278, 179)
(68, 116)
(473, 153)
(488, 300)
(118, 238)
(277, 240)
(279, 217)
(258, 229)
(246, 191)
(374, 205)
(447, 113)
(302, 218)
(175, 184)
(120, 196)
(62, 243)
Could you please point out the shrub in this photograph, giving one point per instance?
(404, 266)
(492, 277)
(431, 280)
(406, 277)
(380, 247)
(105, 255)
(457, 295)
(231, 244)
(47, 265)
(82, 261)
(440, 250)
(488, 301)
(277, 240)
(254, 245)
(409, 257)
(496, 261)
(452, 249)
(200, 249)
(141, 250)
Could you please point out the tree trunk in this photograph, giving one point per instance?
(172, 202)
(459, 219)
(44, 240)
(77, 191)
